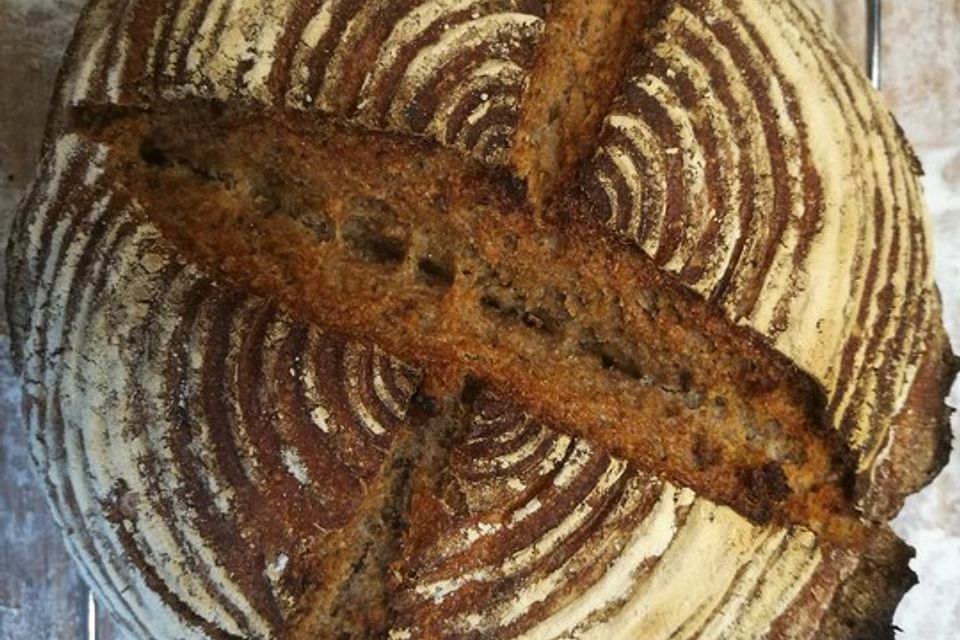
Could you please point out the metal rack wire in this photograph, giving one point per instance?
(873, 41)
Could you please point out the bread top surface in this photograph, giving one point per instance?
(211, 456)
(744, 155)
(531, 533)
(207, 455)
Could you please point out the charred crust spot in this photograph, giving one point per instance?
(152, 154)
(436, 270)
(754, 380)
(704, 454)
(513, 186)
(416, 117)
(764, 486)
(473, 390)
(423, 405)
(609, 356)
(317, 222)
(374, 233)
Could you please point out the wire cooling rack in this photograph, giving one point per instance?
(873, 41)
(872, 62)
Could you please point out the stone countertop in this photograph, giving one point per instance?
(41, 595)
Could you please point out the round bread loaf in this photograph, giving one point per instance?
(478, 319)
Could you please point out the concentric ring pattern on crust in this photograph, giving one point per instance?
(223, 467)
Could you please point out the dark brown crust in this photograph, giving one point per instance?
(863, 606)
(921, 432)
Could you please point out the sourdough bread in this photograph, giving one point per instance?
(503, 318)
